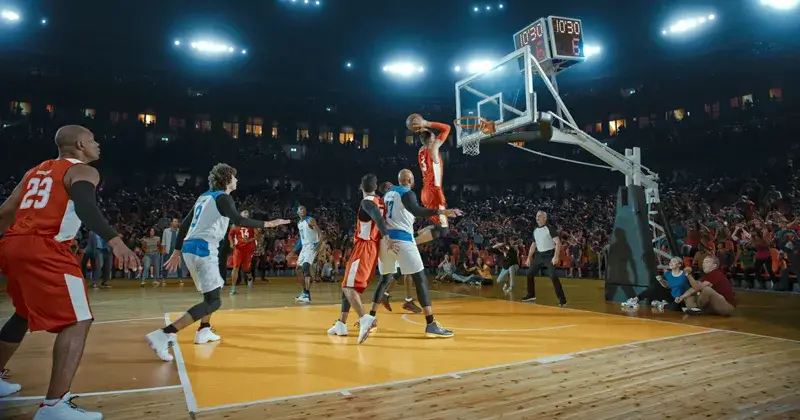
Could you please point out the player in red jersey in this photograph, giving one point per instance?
(432, 167)
(45, 282)
(243, 242)
(370, 228)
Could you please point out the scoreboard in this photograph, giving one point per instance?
(555, 38)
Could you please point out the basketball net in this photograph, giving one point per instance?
(469, 130)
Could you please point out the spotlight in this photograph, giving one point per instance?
(244, 52)
(44, 21)
(475, 9)
(781, 4)
(177, 42)
(10, 15)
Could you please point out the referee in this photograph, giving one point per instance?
(548, 246)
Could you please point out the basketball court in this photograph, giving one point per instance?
(522, 360)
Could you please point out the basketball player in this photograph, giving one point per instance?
(45, 282)
(370, 228)
(401, 210)
(432, 168)
(243, 242)
(408, 303)
(311, 238)
(198, 241)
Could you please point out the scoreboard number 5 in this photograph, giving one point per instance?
(37, 193)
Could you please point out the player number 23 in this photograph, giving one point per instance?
(37, 193)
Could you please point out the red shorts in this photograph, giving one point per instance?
(242, 258)
(45, 282)
(433, 198)
(361, 265)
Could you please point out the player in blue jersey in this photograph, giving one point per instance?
(402, 208)
(198, 242)
(311, 241)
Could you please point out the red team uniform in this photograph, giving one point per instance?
(432, 173)
(242, 250)
(45, 281)
(364, 257)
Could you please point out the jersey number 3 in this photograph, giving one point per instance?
(37, 193)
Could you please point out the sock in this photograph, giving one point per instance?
(429, 319)
(170, 329)
(372, 313)
(54, 402)
(409, 299)
(204, 325)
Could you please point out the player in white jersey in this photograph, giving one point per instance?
(402, 208)
(198, 242)
(310, 242)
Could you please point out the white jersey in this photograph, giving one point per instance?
(208, 224)
(308, 235)
(399, 221)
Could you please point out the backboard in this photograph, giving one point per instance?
(503, 94)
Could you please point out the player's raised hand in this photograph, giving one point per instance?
(173, 262)
(276, 223)
(125, 256)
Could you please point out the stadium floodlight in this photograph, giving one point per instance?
(781, 4)
(177, 42)
(211, 47)
(10, 15)
(403, 69)
(480, 66)
(500, 6)
(592, 50)
(457, 69)
(688, 24)
(44, 21)
(317, 2)
(475, 9)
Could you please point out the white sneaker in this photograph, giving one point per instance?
(7, 388)
(160, 342)
(302, 299)
(339, 328)
(205, 335)
(365, 326)
(630, 303)
(64, 409)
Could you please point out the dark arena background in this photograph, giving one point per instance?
(647, 131)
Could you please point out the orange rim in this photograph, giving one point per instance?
(470, 122)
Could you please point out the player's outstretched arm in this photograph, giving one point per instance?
(374, 213)
(81, 183)
(442, 128)
(227, 208)
(8, 211)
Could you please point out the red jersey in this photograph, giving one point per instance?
(432, 172)
(368, 230)
(46, 208)
(240, 236)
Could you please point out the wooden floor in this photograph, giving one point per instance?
(508, 359)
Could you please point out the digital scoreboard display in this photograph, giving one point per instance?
(566, 37)
(534, 35)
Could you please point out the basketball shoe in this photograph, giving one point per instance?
(160, 342)
(436, 330)
(385, 302)
(7, 388)
(205, 335)
(64, 409)
(410, 306)
(365, 326)
(339, 328)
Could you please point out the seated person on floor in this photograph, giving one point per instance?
(673, 284)
(712, 295)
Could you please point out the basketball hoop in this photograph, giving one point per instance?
(470, 129)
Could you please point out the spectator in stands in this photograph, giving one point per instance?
(763, 257)
(445, 268)
(152, 257)
(478, 274)
(713, 295)
(169, 237)
(791, 252)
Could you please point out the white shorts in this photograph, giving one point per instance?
(204, 271)
(407, 258)
(307, 255)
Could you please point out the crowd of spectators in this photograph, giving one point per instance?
(729, 189)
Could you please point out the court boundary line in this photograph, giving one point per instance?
(96, 394)
(405, 318)
(626, 316)
(451, 375)
(183, 375)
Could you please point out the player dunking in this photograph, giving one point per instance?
(401, 210)
(311, 238)
(370, 228)
(198, 242)
(432, 168)
(243, 243)
(45, 282)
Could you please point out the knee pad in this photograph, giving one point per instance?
(307, 270)
(212, 300)
(421, 282)
(14, 330)
(383, 284)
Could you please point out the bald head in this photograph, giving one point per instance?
(68, 135)
(76, 142)
(406, 178)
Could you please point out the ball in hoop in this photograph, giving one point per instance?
(414, 120)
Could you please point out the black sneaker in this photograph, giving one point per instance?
(385, 302)
(410, 306)
(529, 298)
(694, 311)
